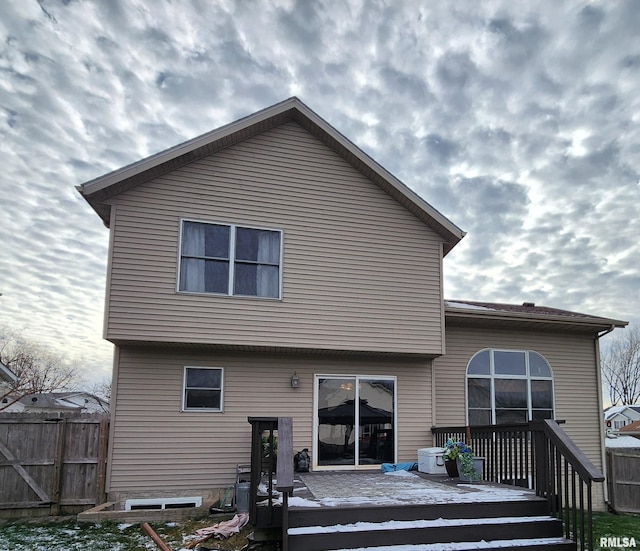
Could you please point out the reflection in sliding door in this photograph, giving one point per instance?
(338, 421)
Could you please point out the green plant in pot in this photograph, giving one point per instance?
(459, 460)
(467, 466)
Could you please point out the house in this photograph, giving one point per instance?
(58, 402)
(616, 417)
(632, 429)
(270, 267)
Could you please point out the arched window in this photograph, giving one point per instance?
(508, 386)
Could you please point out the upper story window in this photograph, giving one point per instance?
(230, 260)
(508, 386)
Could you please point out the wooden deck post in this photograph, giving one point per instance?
(284, 472)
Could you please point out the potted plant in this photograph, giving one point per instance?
(452, 451)
(460, 461)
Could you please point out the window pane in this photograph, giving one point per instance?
(192, 275)
(216, 241)
(511, 393)
(541, 394)
(538, 366)
(205, 378)
(200, 239)
(258, 245)
(542, 414)
(479, 364)
(257, 280)
(509, 363)
(336, 419)
(246, 280)
(375, 416)
(479, 417)
(504, 416)
(216, 276)
(209, 399)
(479, 393)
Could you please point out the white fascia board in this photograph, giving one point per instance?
(156, 159)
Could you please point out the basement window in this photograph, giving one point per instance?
(162, 503)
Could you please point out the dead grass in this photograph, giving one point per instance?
(65, 533)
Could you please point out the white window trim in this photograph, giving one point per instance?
(232, 259)
(314, 458)
(492, 376)
(184, 389)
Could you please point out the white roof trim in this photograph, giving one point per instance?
(101, 183)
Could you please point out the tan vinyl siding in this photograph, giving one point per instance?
(359, 271)
(158, 448)
(572, 359)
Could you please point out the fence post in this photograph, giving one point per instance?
(101, 468)
(58, 463)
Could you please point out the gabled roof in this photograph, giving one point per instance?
(620, 410)
(480, 313)
(97, 192)
(6, 374)
(631, 427)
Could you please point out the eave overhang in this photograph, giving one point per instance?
(97, 192)
(570, 322)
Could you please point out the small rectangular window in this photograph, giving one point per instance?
(202, 389)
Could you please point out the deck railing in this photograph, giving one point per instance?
(541, 456)
(270, 437)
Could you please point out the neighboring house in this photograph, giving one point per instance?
(617, 417)
(621, 441)
(271, 268)
(632, 429)
(59, 402)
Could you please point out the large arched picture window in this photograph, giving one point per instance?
(508, 386)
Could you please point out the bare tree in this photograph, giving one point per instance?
(102, 390)
(621, 368)
(37, 369)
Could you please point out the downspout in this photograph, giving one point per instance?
(603, 451)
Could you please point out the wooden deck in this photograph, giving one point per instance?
(356, 488)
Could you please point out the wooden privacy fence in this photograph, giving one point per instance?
(623, 475)
(50, 464)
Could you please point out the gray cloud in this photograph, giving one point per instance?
(519, 122)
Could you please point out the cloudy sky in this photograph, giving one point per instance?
(517, 120)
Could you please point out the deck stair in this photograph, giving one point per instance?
(521, 525)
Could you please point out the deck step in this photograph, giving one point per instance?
(421, 532)
(538, 544)
(329, 516)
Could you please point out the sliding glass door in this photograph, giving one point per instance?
(354, 421)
